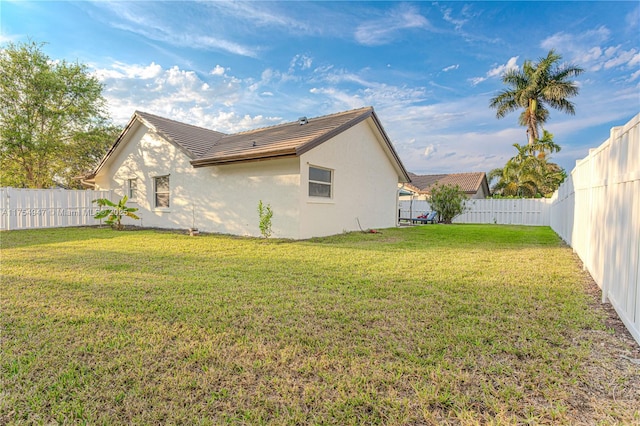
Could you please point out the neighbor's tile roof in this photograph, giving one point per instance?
(468, 182)
(195, 140)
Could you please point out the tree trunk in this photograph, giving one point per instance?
(533, 122)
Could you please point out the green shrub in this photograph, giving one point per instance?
(265, 213)
(448, 200)
(115, 212)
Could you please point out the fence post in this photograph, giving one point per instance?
(8, 208)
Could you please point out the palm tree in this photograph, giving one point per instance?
(544, 146)
(518, 178)
(535, 87)
(529, 173)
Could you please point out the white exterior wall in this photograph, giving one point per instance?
(221, 199)
(365, 185)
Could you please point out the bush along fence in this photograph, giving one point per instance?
(48, 208)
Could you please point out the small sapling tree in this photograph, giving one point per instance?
(448, 200)
(114, 212)
(265, 214)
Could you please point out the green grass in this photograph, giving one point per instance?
(456, 324)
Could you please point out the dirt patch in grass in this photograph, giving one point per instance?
(613, 365)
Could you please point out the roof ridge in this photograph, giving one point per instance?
(178, 122)
(449, 174)
(288, 123)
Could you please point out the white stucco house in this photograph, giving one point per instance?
(321, 176)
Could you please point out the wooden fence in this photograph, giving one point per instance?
(597, 212)
(48, 208)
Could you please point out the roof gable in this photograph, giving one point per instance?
(193, 139)
(207, 147)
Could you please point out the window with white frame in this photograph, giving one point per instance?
(161, 190)
(132, 189)
(320, 182)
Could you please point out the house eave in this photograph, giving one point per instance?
(205, 162)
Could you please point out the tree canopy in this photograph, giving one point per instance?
(53, 120)
(529, 173)
(535, 87)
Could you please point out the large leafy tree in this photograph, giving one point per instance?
(45, 106)
(86, 149)
(534, 88)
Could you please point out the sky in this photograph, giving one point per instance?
(429, 69)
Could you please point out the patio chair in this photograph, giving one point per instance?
(432, 217)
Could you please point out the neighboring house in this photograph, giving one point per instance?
(475, 185)
(321, 176)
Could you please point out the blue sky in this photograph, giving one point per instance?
(428, 68)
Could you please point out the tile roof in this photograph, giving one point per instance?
(207, 147)
(195, 140)
(468, 182)
(281, 140)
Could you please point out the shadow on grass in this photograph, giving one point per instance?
(44, 236)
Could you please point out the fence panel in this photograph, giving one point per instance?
(533, 212)
(410, 209)
(597, 212)
(48, 208)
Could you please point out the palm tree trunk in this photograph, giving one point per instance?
(533, 122)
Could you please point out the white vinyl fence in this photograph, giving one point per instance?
(597, 212)
(532, 212)
(48, 208)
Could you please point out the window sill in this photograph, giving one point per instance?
(162, 210)
(319, 200)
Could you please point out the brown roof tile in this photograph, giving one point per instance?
(195, 140)
(468, 182)
(281, 140)
(207, 147)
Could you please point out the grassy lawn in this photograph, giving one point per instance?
(457, 324)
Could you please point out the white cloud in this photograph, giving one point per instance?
(501, 69)
(447, 16)
(589, 50)
(430, 149)
(384, 30)
(121, 70)
(135, 18)
(4, 38)
(162, 91)
(451, 68)
(259, 14)
(633, 18)
(217, 70)
(301, 62)
(628, 58)
(496, 71)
